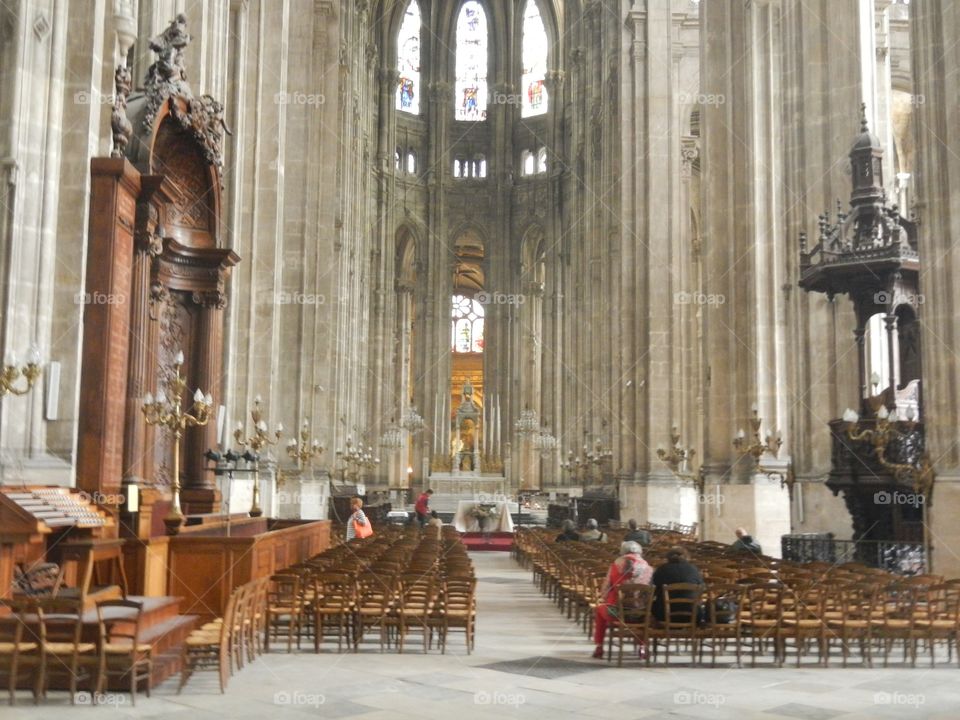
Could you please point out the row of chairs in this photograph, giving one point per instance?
(42, 642)
(227, 643)
(397, 582)
(812, 605)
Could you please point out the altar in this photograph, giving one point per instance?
(500, 519)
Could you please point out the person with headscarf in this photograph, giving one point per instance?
(630, 567)
(569, 532)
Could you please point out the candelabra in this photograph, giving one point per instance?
(544, 441)
(757, 449)
(527, 423)
(257, 442)
(677, 457)
(411, 421)
(158, 411)
(890, 427)
(392, 438)
(574, 465)
(355, 458)
(12, 373)
(306, 449)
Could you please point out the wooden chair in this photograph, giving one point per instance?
(723, 603)
(20, 655)
(850, 619)
(283, 609)
(209, 647)
(334, 609)
(894, 620)
(122, 654)
(804, 620)
(458, 611)
(418, 594)
(632, 619)
(374, 607)
(681, 603)
(941, 621)
(762, 618)
(62, 651)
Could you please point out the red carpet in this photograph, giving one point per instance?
(500, 541)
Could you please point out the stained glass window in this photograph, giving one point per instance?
(471, 82)
(408, 60)
(534, 62)
(466, 325)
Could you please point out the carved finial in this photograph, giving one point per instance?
(119, 123)
(864, 126)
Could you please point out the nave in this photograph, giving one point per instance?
(529, 662)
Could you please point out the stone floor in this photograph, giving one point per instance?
(530, 662)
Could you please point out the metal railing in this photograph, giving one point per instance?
(903, 558)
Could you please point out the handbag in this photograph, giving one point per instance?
(361, 530)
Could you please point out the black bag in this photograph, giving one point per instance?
(725, 610)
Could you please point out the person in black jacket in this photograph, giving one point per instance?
(569, 532)
(677, 569)
(637, 535)
(746, 543)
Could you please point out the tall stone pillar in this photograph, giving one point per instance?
(934, 28)
(743, 263)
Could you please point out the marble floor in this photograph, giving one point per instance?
(530, 662)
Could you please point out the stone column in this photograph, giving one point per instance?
(935, 26)
(743, 266)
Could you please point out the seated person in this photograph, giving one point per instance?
(677, 569)
(636, 535)
(569, 532)
(630, 567)
(435, 520)
(593, 533)
(745, 543)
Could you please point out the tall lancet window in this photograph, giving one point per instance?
(534, 57)
(408, 60)
(471, 85)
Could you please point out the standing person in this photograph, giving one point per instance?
(422, 507)
(357, 518)
(630, 567)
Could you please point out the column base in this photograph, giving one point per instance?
(660, 497)
(760, 506)
(943, 529)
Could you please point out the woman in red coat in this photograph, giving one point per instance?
(630, 567)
